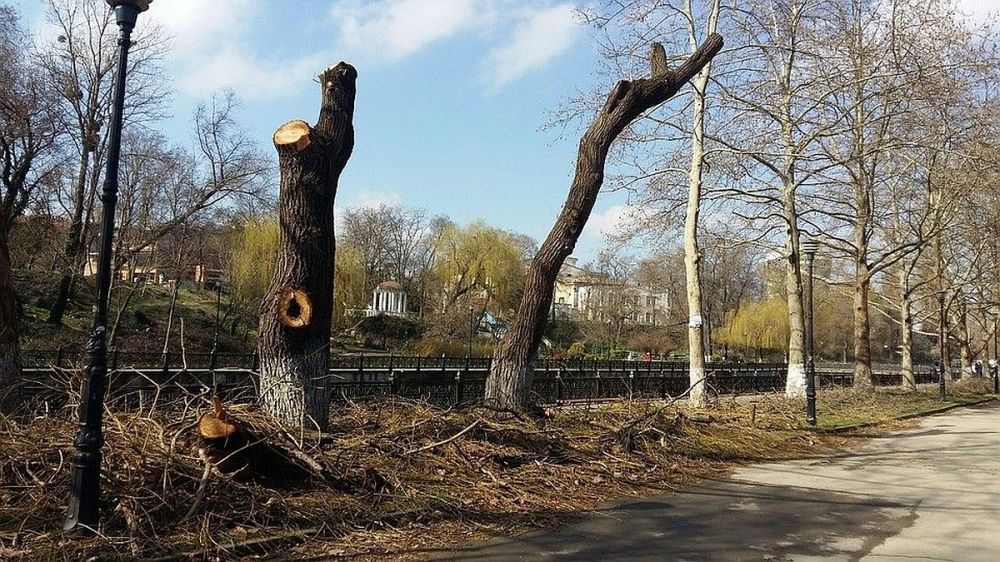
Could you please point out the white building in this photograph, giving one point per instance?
(389, 298)
(587, 295)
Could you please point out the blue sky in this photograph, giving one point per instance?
(452, 94)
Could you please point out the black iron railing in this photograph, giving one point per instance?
(441, 380)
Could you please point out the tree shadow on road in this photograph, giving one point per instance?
(715, 521)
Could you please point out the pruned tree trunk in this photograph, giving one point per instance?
(297, 311)
(10, 367)
(509, 382)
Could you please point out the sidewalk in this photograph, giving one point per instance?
(932, 493)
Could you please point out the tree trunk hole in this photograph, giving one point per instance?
(294, 308)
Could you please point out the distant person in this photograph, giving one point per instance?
(647, 357)
(977, 367)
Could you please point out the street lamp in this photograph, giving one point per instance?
(83, 510)
(995, 366)
(472, 327)
(942, 322)
(810, 247)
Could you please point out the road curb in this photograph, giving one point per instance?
(941, 410)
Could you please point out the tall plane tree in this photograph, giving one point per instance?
(294, 332)
(509, 382)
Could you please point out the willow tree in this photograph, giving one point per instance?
(294, 331)
(509, 382)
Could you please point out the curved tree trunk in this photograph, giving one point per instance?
(296, 314)
(509, 382)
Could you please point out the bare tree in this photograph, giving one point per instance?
(879, 58)
(773, 138)
(28, 136)
(80, 65)
(667, 188)
(509, 382)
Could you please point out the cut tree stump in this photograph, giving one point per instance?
(236, 449)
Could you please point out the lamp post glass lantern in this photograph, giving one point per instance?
(942, 342)
(809, 248)
(83, 512)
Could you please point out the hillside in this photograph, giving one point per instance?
(142, 325)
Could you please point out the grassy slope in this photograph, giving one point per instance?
(143, 323)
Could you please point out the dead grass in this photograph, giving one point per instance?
(392, 478)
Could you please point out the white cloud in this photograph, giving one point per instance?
(212, 49)
(216, 48)
(253, 79)
(364, 199)
(602, 224)
(542, 35)
(192, 25)
(390, 30)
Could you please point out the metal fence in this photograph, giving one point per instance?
(441, 380)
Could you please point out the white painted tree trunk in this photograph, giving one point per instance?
(795, 383)
(964, 349)
(906, 327)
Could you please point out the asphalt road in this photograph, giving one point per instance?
(932, 493)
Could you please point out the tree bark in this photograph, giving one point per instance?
(964, 347)
(10, 369)
(297, 311)
(906, 327)
(509, 382)
(795, 383)
(692, 254)
(862, 330)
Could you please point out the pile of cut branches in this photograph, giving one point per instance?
(391, 476)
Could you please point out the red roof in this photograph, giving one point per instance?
(390, 286)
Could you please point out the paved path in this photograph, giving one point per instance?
(932, 493)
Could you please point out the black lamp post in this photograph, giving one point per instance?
(472, 327)
(218, 315)
(810, 247)
(83, 512)
(942, 322)
(995, 368)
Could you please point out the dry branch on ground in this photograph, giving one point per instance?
(389, 476)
